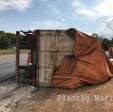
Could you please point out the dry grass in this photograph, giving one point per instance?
(11, 51)
(24, 99)
(46, 100)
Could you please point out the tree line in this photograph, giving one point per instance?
(105, 42)
(8, 40)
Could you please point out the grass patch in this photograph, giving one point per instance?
(12, 51)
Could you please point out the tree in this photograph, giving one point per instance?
(106, 43)
(7, 40)
(95, 35)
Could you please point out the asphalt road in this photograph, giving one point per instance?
(7, 65)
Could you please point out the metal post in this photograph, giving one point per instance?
(35, 73)
(17, 55)
(38, 54)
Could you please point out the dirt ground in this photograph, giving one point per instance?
(25, 98)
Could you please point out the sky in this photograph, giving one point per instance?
(89, 16)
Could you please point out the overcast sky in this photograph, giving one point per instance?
(89, 16)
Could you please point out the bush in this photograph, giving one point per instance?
(7, 40)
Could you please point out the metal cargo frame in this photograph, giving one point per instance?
(51, 46)
(33, 39)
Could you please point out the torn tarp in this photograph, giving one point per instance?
(88, 64)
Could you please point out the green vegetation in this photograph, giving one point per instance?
(8, 40)
(8, 43)
(106, 43)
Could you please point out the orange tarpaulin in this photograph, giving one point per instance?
(88, 64)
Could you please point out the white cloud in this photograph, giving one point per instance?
(48, 25)
(106, 27)
(86, 12)
(15, 4)
(102, 11)
(103, 8)
(77, 4)
(53, 9)
(63, 19)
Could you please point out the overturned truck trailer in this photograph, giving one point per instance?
(64, 58)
